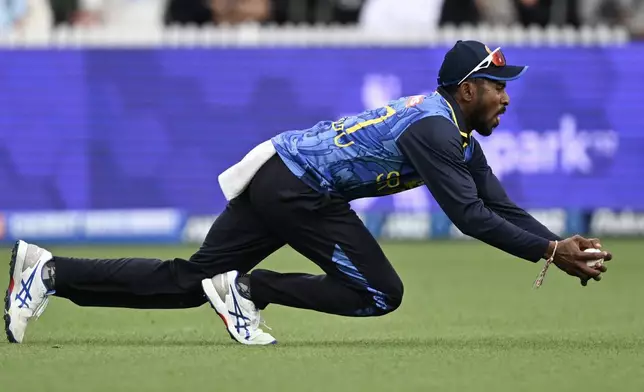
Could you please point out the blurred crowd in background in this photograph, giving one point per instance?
(381, 15)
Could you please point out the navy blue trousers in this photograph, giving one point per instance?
(276, 209)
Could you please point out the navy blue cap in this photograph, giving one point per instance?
(465, 56)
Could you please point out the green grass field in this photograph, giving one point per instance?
(470, 321)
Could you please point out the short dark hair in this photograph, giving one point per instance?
(453, 88)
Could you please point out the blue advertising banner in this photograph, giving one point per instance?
(152, 128)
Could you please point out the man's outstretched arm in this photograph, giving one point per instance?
(433, 146)
(494, 196)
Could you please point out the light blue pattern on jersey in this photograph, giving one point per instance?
(357, 156)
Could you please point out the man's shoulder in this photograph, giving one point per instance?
(426, 117)
(435, 133)
(422, 106)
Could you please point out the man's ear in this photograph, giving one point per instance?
(468, 90)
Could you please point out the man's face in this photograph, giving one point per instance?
(490, 102)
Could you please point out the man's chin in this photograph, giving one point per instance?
(485, 131)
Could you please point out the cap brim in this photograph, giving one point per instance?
(507, 73)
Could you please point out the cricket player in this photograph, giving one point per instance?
(295, 189)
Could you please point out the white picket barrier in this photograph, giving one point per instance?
(314, 36)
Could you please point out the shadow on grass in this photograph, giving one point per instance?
(484, 342)
(499, 343)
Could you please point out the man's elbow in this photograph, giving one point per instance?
(464, 223)
(471, 220)
(467, 229)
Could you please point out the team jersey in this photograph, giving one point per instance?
(408, 142)
(358, 156)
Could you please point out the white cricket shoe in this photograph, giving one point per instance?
(27, 295)
(239, 314)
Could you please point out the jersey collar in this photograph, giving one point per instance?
(457, 115)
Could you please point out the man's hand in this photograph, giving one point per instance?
(571, 258)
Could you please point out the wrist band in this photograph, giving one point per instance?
(542, 274)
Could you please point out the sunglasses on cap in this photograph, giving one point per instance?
(495, 57)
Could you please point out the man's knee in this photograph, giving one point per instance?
(394, 295)
(387, 299)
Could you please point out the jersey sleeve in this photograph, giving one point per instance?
(433, 146)
(491, 191)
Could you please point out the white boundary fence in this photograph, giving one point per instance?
(315, 36)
